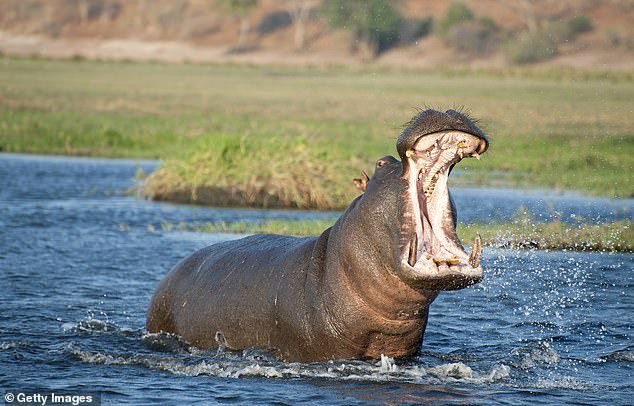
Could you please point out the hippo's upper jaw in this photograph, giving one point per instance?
(432, 256)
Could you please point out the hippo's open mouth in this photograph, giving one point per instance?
(432, 255)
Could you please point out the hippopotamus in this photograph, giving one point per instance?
(359, 290)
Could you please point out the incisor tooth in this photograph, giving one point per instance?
(453, 261)
(448, 261)
(476, 156)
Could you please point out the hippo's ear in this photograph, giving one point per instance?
(362, 183)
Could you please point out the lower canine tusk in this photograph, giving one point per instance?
(413, 247)
(476, 252)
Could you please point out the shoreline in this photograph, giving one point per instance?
(615, 236)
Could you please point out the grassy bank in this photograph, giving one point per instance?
(617, 236)
(282, 227)
(296, 137)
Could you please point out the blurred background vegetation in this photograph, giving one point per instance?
(581, 33)
(281, 103)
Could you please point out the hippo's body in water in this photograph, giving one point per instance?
(360, 289)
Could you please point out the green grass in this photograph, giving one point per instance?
(522, 233)
(615, 236)
(296, 137)
(282, 227)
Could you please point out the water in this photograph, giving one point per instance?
(79, 261)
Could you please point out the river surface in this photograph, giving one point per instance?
(80, 259)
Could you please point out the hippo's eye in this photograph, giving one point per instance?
(380, 163)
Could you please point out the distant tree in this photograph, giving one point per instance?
(460, 28)
(543, 34)
(373, 22)
(92, 9)
(475, 37)
(529, 48)
(529, 15)
(241, 9)
(83, 8)
(456, 13)
(299, 11)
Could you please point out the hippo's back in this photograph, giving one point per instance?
(228, 293)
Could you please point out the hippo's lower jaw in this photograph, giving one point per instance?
(432, 256)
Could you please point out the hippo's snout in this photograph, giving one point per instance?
(432, 256)
(429, 122)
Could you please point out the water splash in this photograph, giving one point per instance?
(564, 382)
(530, 356)
(92, 325)
(387, 365)
(10, 345)
(462, 372)
(237, 366)
(619, 356)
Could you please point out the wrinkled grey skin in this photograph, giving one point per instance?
(352, 292)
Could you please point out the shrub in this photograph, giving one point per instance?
(274, 21)
(490, 24)
(579, 24)
(411, 30)
(456, 13)
(374, 22)
(424, 27)
(474, 36)
(542, 45)
(94, 9)
(557, 31)
(617, 39)
(613, 37)
(529, 48)
(561, 31)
